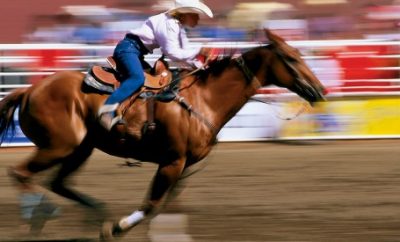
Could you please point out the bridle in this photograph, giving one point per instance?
(292, 70)
(289, 64)
(250, 77)
(299, 82)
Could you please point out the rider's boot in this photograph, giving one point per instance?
(108, 116)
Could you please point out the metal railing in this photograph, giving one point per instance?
(23, 64)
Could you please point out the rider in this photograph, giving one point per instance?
(165, 31)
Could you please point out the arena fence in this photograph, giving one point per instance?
(362, 76)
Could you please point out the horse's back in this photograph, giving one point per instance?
(55, 109)
(60, 83)
(58, 91)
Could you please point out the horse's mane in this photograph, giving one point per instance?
(215, 67)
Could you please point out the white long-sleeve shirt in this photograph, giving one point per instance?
(165, 32)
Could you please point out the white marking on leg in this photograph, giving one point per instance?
(133, 219)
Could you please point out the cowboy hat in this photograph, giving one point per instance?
(191, 6)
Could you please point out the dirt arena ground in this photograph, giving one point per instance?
(264, 191)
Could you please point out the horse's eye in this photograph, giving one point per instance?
(291, 59)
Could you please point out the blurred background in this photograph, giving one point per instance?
(353, 46)
(53, 21)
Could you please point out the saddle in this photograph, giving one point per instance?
(157, 86)
(107, 79)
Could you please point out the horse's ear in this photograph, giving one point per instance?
(274, 38)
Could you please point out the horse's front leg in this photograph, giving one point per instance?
(164, 180)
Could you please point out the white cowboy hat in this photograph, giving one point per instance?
(191, 6)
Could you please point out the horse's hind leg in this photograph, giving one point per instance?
(42, 159)
(69, 160)
(69, 165)
(35, 206)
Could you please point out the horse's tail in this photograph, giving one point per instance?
(8, 105)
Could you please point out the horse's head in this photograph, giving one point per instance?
(287, 69)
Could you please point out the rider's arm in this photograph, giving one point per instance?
(174, 44)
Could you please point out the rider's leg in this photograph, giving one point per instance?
(127, 56)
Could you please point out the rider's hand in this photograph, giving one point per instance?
(203, 54)
(205, 51)
(209, 54)
(206, 55)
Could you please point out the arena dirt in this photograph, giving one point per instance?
(264, 191)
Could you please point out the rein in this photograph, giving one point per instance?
(189, 108)
(301, 110)
(181, 100)
(249, 76)
(176, 80)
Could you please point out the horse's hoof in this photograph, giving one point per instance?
(110, 232)
(42, 213)
(106, 232)
(37, 205)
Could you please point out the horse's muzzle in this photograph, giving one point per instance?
(310, 93)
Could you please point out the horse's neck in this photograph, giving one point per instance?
(224, 96)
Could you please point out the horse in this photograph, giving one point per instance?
(59, 116)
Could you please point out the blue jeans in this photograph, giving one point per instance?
(129, 56)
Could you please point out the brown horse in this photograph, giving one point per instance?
(59, 117)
